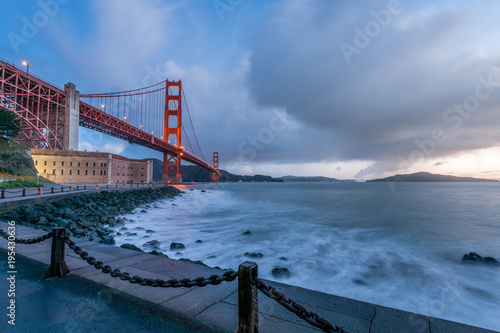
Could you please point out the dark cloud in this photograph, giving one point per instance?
(392, 96)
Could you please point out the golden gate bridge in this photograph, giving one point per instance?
(149, 116)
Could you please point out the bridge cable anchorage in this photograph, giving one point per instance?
(191, 121)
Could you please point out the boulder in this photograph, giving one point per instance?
(176, 246)
(130, 247)
(109, 240)
(246, 233)
(154, 244)
(281, 272)
(474, 257)
(253, 255)
(199, 241)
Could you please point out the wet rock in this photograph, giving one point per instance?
(139, 228)
(178, 254)
(212, 257)
(199, 241)
(176, 246)
(360, 282)
(143, 211)
(253, 255)
(284, 258)
(43, 220)
(131, 233)
(156, 253)
(130, 247)
(152, 244)
(203, 191)
(281, 272)
(61, 222)
(474, 257)
(109, 240)
(246, 233)
(150, 231)
(197, 262)
(123, 228)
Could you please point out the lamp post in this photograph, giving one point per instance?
(38, 179)
(27, 64)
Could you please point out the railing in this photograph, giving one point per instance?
(248, 282)
(23, 192)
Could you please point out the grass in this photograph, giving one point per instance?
(19, 184)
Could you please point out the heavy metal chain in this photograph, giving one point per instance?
(301, 311)
(27, 241)
(173, 283)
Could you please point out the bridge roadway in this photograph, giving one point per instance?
(90, 300)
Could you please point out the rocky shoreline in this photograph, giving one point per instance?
(88, 215)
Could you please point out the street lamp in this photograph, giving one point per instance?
(25, 63)
(38, 180)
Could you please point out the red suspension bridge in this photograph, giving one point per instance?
(149, 116)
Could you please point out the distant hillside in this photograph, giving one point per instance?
(193, 173)
(429, 177)
(308, 179)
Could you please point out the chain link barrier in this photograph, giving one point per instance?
(297, 308)
(27, 241)
(173, 283)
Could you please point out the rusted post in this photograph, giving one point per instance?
(107, 187)
(248, 308)
(97, 187)
(24, 192)
(39, 191)
(52, 189)
(62, 188)
(85, 187)
(57, 264)
(70, 188)
(3, 194)
(77, 187)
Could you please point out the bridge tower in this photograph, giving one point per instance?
(172, 132)
(215, 163)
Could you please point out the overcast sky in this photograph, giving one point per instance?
(346, 89)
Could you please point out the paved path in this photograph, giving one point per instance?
(212, 307)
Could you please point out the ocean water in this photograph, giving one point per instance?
(400, 248)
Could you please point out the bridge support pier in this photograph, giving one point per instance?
(72, 121)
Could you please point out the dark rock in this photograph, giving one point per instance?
(123, 228)
(284, 258)
(176, 246)
(130, 247)
(154, 244)
(144, 211)
(212, 257)
(150, 231)
(203, 191)
(61, 222)
(178, 254)
(139, 228)
(281, 272)
(109, 240)
(247, 233)
(131, 233)
(198, 262)
(43, 220)
(253, 255)
(199, 241)
(474, 257)
(156, 253)
(360, 282)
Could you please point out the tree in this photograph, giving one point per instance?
(10, 125)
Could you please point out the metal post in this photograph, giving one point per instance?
(77, 187)
(107, 187)
(97, 187)
(24, 192)
(39, 191)
(52, 189)
(85, 187)
(57, 264)
(248, 307)
(3, 194)
(62, 188)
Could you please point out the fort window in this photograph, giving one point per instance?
(86, 172)
(78, 172)
(86, 164)
(62, 172)
(45, 171)
(70, 163)
(94, 164)
(62, 163)
(93, 172)
(78, 163)
(70, 172)
(54, 163)
(45, 163)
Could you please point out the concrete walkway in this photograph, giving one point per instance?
(211, 308)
